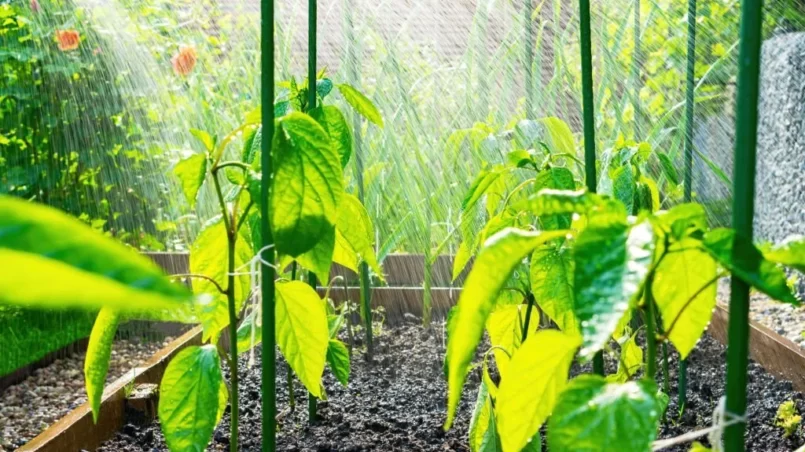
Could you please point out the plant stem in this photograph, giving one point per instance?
(233, 341)
(366, 307)
(204, 277)
(666, 379)
(311, 399)
(651, 332)
(291, 395)
(682, 390)
(528, 310)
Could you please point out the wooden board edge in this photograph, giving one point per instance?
(77, 431)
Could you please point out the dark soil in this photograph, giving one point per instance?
(397, 403)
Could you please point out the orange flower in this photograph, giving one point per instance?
(68, 40)
(184, 61)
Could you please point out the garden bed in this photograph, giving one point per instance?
(398, 403)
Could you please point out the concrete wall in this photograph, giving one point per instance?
(780, 194)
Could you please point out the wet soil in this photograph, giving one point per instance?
(397, 403)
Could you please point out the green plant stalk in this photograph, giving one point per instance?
(528, 311)
(651, 333)
(231, 239)
(311, 399)
(427, 296)
(589, 122)
(666, 379)
(690, 92)
(233, 340)
(743, 212)
(267, 273)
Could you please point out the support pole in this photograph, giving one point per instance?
(589, 121)
(311, 54)
(637, 67)
(689, 114)
(267, 275)
(528, 63)
(743, 210)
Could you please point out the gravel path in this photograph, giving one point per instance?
(26, 409)
(782, 318)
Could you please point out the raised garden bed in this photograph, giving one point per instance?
(398, 401)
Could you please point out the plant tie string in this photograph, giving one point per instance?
(721, 420)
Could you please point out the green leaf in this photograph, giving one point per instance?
(250, 333)
(483, 431)
(338, 359)
(462, 258)
(552, 285)
(334, 123)
(648, 195)
(505, 328)
(790, 253)
(480, 185)
(555, 202)
(611, 263)
(209, 257)
(361, 104)
(191, 173)
(740, 256)
(356, 227)
(99, 350)
(190, 398)
(302, 333)
(630, 361)
(537, 375)
(32, 281)
(684, 220)
(492, 268)
(624, 187)
(557, 179)
(559, 136)
(252, 143)
(343, 254)
(37, 229)
(324, 87)
(320, 258)
(593, 415)
(306, 186)
(684, 290)
(204, 138)
(668, 167)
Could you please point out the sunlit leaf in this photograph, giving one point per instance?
(320, 258)
(483, 431)
(361, 104)
(623, 188)
(555, 202)
(99, 350)
(47, 232)
(684, 290)
(250, 333)
(552, 285)
(302, 333)
(668, 167)
(790, 253)
(338, 359)
(593, 415)
(492, 268)
(190, 398)
(611, 262)
(191, 173)
(204, 138)
(208, 257)
(356, 227)
(537, 375)
(334, 123)
(740, 256)
(306, 186)
(684, 219)
(557, 179)
(630, 361)
(505, 328)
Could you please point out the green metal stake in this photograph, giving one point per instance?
(365, 280)
(528, 44)
(589, 121)
(689, 111)
(311, 104)
(743, 211)
(268, 372)
(637, 82)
